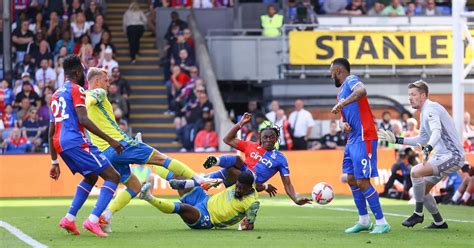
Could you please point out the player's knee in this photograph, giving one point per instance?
(414, 173)
(363, 184)
(111, 175)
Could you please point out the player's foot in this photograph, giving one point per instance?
(211, 183)
(105, 224)
(177, 184)
(413, 220)
(210, 161)
(434, 226)
(359, 228)
(94, 228)
(384, 228)
(145, 192)
(69, 226)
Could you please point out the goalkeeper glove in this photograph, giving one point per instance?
(389, 136)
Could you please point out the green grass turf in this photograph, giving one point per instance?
(279, 224)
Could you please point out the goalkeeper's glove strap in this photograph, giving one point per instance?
(399, 140)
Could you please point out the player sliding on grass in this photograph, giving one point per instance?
(66, 137)
(100, 112)
(261, 158)
(200, 211)
(438, 133)
(360, 153)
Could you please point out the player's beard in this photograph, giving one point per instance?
(337, 82)
(81, 80)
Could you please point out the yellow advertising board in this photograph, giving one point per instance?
(373, 48)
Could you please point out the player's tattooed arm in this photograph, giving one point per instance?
(358, 92)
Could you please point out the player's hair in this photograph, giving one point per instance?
(421, 85)
(71, 64)
(342, 62)
(94, 71)
(246, 178)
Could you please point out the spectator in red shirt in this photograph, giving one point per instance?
(181, 4)
(206, 139)
(188, 36)
(16, 143)
(177, 80)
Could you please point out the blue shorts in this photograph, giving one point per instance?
(360, 159)
(132, 154)
(85, 160)
(224, 174)
(198, 199)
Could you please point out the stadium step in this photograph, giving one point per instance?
(148, 98)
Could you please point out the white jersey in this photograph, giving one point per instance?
(434, 116)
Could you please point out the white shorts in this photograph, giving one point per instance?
(443, 165)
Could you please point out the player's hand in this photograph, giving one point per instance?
(245, 224)
(386, 136)
(337, 108)
(345, 127)
(271, 190)
(246, 118)
(116, 145)
(426, 150)
(55, 172)
(303, 201)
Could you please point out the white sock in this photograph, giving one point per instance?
(198, 178)
(381, 221)
(70, 217)
(456, 196)
(364, 220)
(189, 184)
(466, 196)
(93, 218)
(438, 223)
(107, 214)
(218, 160)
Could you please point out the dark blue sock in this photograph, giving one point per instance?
(177, 207)
(82, 192)
(167, 162)
(106, 193)
(132, 194)
(359, 200)
(227, 161)
(374, 203)
(169, 176)
(222, 174)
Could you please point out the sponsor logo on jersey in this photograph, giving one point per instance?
(261, 159)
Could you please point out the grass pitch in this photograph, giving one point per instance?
(279, 224)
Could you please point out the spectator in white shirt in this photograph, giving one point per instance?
(45, 76)
(80, 26)
(272, 115)
(107, 62)
(134, 21)
(302, 123)
(202, 4)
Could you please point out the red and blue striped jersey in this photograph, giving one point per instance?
(358, 114)
(68, 131)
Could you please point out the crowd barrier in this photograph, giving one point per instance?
(28, 175)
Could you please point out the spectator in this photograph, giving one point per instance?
(25, 66)
(60, 73)
(38, 26)
(410, 9)
(202, 4)
(115, 97)
(123, 126)
(194, 115)
(118, 113)
(25, 108)
(272, 115)
(412, 130)
(43, 111)
(184, 61)
(65, 41)
(394, 9)
(386, 118)
(175, 22)
(122, 83)
(35, 129)
(334, 6)
(407, 158)
(25, 76)
(332, 140)
(252, 108)
(92, 12)
(223, 3)
(302, 123)
(21, 37)
(468, 131)
(134, 21)
(377, 9)
(33, 47)
(105, 41)
(286, 142)
(271, 22)
(88, 57)
(355, 8)
(80, 26)
(42, 53)
(101, 5)
(179, 45)
(55, 29)
(28, 93)
(84, 40)
(181, 4)
(206, 139)
(55, 6)
(62, 54)
(430, 9)
(45, 76)
(8, 95)
(107, 62)
(9, 117)
(290, 12)
(16, 143)
(405, 117)
(74, 8)
(177, 80)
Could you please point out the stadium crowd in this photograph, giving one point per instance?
(43, 33)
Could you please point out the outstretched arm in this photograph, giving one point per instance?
(251, 216)
(230, 138)
(290, 191)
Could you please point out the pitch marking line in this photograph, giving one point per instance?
(285, 203)
(21, 235)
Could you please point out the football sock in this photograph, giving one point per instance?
(456, 196)
(360, 201)
(165, 205)
(163, 172)
(222, 174)
(180, 169)
(226, 161)
(364, 220)
(106, 193)
(419, 193)
(82, 192)
(466, 196)
(121, 200)
(374, 203)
